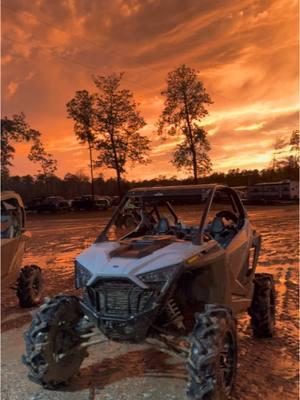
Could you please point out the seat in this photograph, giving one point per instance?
(163, 226)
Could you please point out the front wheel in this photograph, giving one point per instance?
(212, 360)
(53, 342)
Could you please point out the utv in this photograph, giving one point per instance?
(28, 280)
(170, 281)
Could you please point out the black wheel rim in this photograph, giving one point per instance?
(65, 341)
(227, 362)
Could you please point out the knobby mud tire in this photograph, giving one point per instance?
(262, 309)
(55, 331)
(211, 365)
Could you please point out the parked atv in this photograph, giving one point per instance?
(169, 281)
(27, 280)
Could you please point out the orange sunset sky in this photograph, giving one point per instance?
(246, 52)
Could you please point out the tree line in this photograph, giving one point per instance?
(73, 185)
(109, 123)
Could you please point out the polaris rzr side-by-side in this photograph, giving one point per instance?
(27, 281)
(176, 278)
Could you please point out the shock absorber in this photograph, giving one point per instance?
(174, 314)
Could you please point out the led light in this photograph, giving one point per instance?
(82, 275)
(192, 259)
(160, 275)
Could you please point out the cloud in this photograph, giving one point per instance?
(12, 87)
(245, 52)
(252, 127)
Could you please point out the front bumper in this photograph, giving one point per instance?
(131, 329)
(122, 309)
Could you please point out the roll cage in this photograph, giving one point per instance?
(202, 193)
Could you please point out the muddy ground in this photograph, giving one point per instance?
(268, 369)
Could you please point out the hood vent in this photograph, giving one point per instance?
(142, 247)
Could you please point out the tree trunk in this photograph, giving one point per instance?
(92, 174)
(194, 164)
(119, 183)
(193, 150)
(113, 145)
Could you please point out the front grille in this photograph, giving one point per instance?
(121, 297)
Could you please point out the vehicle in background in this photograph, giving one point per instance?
(175, 275)
(242, 191)
(286, 190)
(90, 203)
(115, 200)
(27, 280)
(33, 204)
(53, 204)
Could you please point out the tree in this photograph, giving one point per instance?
(81, 110)
(118, 123)
(47, 163)
(14, 130)
(184, 107)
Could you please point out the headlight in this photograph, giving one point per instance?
(82, 275)
(161, 275)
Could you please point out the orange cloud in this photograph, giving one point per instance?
(245, 52)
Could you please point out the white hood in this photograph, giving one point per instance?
(98, 261)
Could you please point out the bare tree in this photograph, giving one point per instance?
(185, 106)
(118, 122)
(81, 110)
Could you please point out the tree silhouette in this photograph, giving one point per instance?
(81, 110)
(184, 107)
(47, 163)
(14, 130)
(118, 123)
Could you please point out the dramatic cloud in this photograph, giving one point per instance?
(246, 53)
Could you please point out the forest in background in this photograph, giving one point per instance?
(73, 185)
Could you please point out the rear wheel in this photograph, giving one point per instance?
(30, 286)
(212, 361)
(53, 351)
(262, 309)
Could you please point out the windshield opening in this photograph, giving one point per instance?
(149, 217)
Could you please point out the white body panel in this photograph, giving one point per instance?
(98, 261)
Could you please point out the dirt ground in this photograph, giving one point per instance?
(267, 369)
